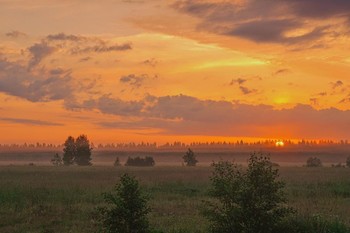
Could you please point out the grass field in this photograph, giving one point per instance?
(63, 199)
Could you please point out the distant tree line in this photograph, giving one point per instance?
(140, 162)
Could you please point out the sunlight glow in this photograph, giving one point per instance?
(279, 144)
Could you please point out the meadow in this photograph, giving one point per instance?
(63, 199)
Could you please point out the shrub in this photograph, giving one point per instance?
(312, 224)
(250, 201)
(140, 162)
(126, 208)
(57, 160)
(190, 158)
(117, 162)
(313, 162)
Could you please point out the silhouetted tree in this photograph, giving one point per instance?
(190, 158)
(57, 160)
(348, 162)
(250, 201)
(126, 208)
(83, 151)
(69, 151)
(117, 162)
(313, 162)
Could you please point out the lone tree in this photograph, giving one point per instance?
(77, 151)
(117, 162)
(250, 201)
(126, 210)
(69, 151)
(83, 151)
(313, 162)
(190, 158)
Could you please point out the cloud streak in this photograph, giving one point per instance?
(30, 122)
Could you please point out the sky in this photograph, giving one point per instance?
(157, 71)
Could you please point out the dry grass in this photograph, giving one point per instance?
(62, 199)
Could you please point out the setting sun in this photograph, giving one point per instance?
(279, 144)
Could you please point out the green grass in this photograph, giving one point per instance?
(63, 199)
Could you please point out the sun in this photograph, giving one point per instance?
(279, 143)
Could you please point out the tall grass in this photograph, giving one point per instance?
(62, 199)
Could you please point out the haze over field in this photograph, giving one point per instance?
(158, 71)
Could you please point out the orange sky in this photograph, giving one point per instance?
(134, 70)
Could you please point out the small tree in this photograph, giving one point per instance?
(250, 201)
(126, 210)
(83, 151)
(348, 162)
(57, 160)
(313, 162)
(190, 158)
(69, 151)
(117, 162)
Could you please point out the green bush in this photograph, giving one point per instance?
(126, 208)
(312, 224)
(249, 201)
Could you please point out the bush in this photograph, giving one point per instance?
(313, 162)
(250, 201)
(117, 162)
(126, 210)
(312, 224)
(57, 160)
(190, 158)
(140, 162)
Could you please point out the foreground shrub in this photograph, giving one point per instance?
(140, 162)
(126, 208)
(250, 201)
(313, 162)
(312, 224)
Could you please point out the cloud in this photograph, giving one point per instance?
(281, 71)
(150, 62)
(102, 48)
(85, 59)
(181, 114)
(63, 37)
(322, 94)
(29, 122)
(15, 34)
(17, 80)
(134, 80)
(39, 51)
(247, 91)
(266, 21)
(337, 84)
(314, 101)
(239, 81)
(108, 105)
(319, 9)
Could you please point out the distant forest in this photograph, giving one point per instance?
(239, 145)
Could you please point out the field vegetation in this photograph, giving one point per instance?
(64, 199)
